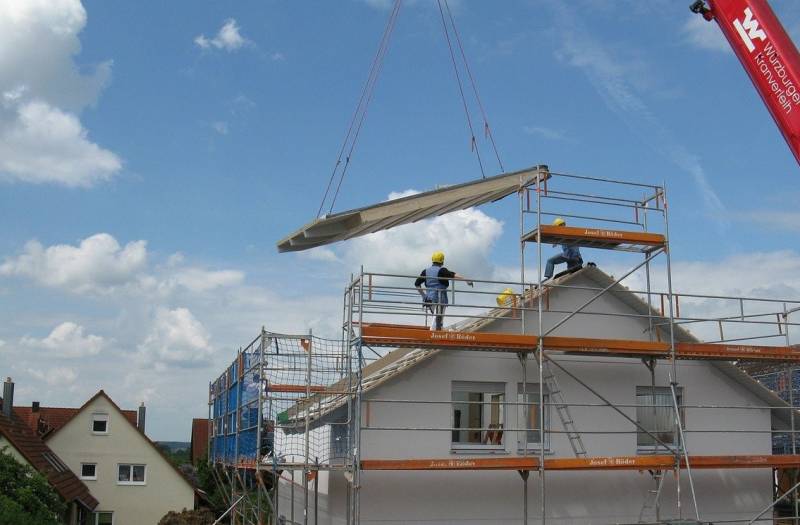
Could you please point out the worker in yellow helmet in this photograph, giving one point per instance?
(569, 254)
(436, 279)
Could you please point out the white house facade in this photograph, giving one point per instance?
(134, 483)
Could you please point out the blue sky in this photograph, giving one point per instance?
(151, 154)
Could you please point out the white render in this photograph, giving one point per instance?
(584, 497)
(164, 488)
(11, 449)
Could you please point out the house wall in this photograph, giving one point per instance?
(9, 448)
(164, 490)
(395, 497)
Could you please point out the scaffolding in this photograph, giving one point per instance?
(305, 413)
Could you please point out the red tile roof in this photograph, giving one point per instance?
(44, 460)
(199, 448)
(50, 419)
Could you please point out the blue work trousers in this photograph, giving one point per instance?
(558, 259)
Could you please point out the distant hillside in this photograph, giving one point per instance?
(174, 446)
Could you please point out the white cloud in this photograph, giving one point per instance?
(60, 376)
(277, 56)
(97, 265)
(227, 38)
(544, 132)
(66, 340)
(44, 144)
(100, 265)
(199, 280)
(43, 90)
(321, 254)
(466, 237)
(616, 82)
(176, 338)
(703, 34)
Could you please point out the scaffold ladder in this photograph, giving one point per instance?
(651, 502)
(562, 409)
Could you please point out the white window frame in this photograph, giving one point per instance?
(483, 388)
(667, 408)
(532, 391)
(88, 477)
(130, 472)
(100, 417)
(97, 516)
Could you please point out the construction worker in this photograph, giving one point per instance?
(437, 279)
(569, 254)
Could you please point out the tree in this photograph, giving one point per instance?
(206, 483)
(26, 498)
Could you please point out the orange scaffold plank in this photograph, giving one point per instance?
(383, 335)
(661, 462)
(414, 337)
(596, 237)
(302, 389)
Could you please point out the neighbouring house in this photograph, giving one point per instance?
(28, 448)
(107, 449)
(462, 393)
(198, 449)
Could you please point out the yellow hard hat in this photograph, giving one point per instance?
(559, 222)
(438, 257)
(503, 298)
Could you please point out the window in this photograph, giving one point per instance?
(528, 415)
(104, 518)
(99, 423)
(88, 470)
(131, 474)
(656, 413)
(478, 415)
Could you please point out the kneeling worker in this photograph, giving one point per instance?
(569, 254)
(437, 279)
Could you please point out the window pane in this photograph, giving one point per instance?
(124, 473)
(478, 417)
(88, 470)
(99, 425)
(531, 417)
(138, 473)
(105, 518)
(656, 413)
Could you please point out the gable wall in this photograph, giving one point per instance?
(573, 497)
(10, 449)
(165, 489)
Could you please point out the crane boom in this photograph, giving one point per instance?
(768, 55)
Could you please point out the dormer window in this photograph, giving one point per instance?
(99, 423)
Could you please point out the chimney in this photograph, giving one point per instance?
(140, 419)
(8, 397)
(35, 406)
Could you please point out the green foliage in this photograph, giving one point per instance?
(206, 483)
(177, 457)
(26, 498)
(187, 517)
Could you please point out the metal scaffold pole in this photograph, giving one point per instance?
(673, 357)
(306, 470)
(260, 417)
(540, 347)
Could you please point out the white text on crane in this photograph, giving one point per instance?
(749, 30)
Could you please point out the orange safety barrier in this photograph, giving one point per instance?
(660, 462)
(595, 237)
(415, 337)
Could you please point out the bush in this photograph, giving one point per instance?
(26, 498)
(188, 517)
